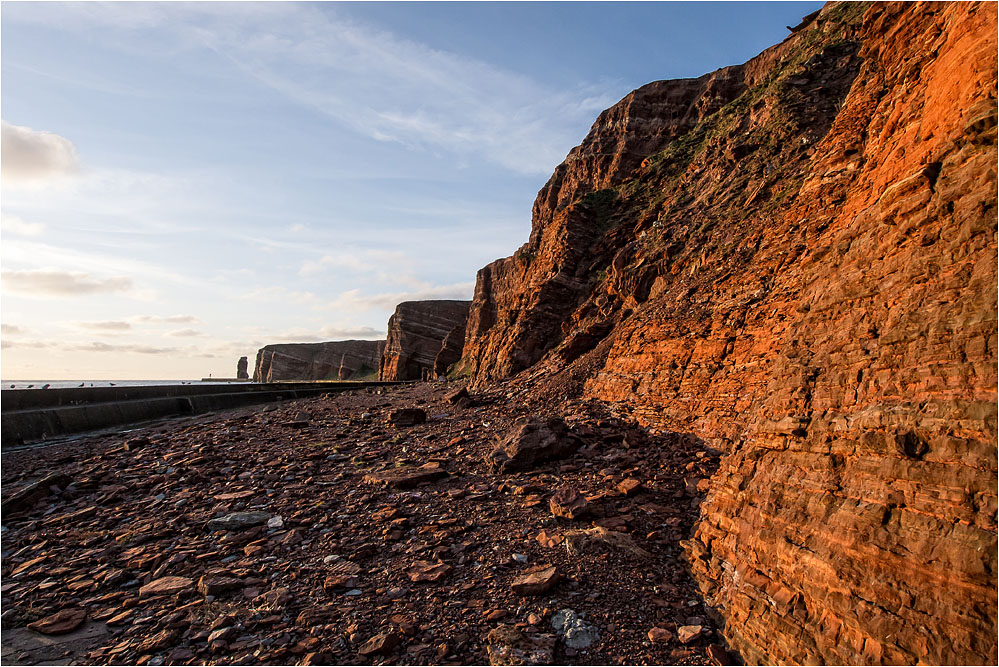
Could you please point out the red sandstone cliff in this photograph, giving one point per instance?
(795, 260)
(424, 338)
(336, 360)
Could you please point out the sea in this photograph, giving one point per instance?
(67, 384)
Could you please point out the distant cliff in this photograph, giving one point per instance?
(336, 360)
(795, 260)
(424, 338)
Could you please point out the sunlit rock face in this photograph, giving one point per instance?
(795, 260)
(418, 333)
(337, 360)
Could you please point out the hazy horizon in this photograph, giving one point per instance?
(184, 183)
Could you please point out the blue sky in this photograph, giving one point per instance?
(185, 182)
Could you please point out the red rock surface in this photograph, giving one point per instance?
(60, 623)
(335, 360)
(795, 261)
(422, 339)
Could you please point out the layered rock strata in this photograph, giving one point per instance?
(795, 260)
(336, 360)
(423, 339)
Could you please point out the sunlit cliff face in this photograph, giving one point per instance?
(800, 271)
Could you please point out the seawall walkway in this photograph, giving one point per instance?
(33, 415)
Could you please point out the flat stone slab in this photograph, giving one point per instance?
(60, 623)
(22, 646)
(167, 586)
(238, 521)
(537, 580)
(407, 478)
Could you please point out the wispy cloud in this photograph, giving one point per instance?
(185, 333)
(355, 301)
(279, 293)
(387, 88)
(12, 224)
(61, 283)
(34, 344)
(10, 330)
(107, 347)
(110, 325)
(330, 333)
(32, 156)
(338, 333)
(397, 90)
(52, 258)
(386, 263)
(169, 319)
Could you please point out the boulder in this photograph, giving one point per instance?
(576, 633)
(459, 398)
(568, 503)
(688, 634)
(383, 643)
(403, 417)
(531, 441)
(659, 635)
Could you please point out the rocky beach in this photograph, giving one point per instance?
(733, 402)
(347, 530)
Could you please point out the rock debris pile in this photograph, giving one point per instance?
(344, 530)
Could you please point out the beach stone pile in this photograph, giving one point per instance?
(328, 531)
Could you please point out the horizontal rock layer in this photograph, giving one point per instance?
(337, 360)
(795, 260)
(416, 336)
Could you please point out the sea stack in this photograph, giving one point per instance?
(241, 369)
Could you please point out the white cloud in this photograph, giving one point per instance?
(386, 263)
(61, 283)
(169, 319)
(34, 344)
(294, 336)
(354, 300)
(329, 333)
(185, 333)
(110, 325)
(107, 347)
(10, 330)
(30, 156)
(278, 293)
(19, 252)
(11, 224)
(392, 89)
(340, 333)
